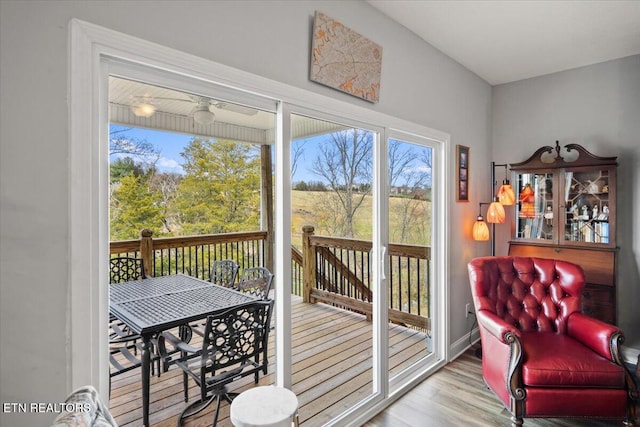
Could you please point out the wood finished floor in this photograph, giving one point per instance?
(331, 371)
(457, 396)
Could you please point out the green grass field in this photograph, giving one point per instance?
(315, 208)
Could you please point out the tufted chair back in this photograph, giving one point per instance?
(532, 294)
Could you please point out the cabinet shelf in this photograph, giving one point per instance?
(569, 204)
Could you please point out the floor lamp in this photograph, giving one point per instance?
(505, 196)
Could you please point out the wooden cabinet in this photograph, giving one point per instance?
(567, 210)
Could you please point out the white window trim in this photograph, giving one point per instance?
(89, 44)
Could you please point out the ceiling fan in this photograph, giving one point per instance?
(143, 106)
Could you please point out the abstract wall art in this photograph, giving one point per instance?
(345, 60)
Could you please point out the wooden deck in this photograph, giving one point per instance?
(331, 371)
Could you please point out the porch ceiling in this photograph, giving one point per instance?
(173, 113)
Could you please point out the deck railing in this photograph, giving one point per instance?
(332, 270)
(338, 271)
(193, 255)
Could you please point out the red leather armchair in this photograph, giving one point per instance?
(542, 357)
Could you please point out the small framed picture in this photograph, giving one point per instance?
(462, 173)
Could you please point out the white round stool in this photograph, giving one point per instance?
(266, 406)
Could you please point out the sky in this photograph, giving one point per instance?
(170, 145)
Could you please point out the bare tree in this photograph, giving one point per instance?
(296, 153)
(345, 162)
(328, 214)
(406, 166)
(409, 174)
(399, 160)
(121, 144)
(166, 184)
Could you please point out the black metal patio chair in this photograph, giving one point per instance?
(234, 346)
(255, 281)
(224, 272)
(122, 269)
(123, 343)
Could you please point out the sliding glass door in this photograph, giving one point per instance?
(350, 242)
(410, 279)
(362, 313)
(331, 231)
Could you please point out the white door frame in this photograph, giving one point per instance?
(436, 291)
(380, 239)
(90, 44)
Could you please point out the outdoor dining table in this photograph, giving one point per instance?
(152, 305)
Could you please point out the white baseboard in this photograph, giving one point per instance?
(461, 345)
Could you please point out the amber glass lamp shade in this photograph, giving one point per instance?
(480, 229)
(495, 213)
(527, 199)
(506, 196)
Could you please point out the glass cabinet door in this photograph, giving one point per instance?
(587, 206)
(535, 209)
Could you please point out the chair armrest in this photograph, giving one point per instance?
(501, 343)
(175, 342)
(599, 336)
(119, 335)
(496, 326)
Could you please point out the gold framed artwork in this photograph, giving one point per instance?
(345, 60)
(462, 173)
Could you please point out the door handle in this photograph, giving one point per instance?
(383, 251)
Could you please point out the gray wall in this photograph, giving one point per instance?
(597, 107)
(267, 38)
